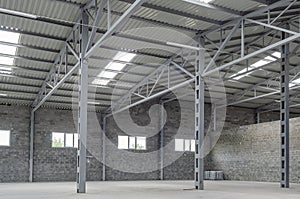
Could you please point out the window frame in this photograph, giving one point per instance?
(74, 146)
(129, 142)
(9, 138)
(190, 142)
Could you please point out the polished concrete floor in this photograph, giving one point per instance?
(150, 189)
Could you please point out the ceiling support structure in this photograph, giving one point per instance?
(249, 15)
(161, 139)
(54, 80)
(199, 117)
(270, 47)
(233, 30)
(82, 107)
(144, 89)
(104, 122)
(284, 116)
(31, 149)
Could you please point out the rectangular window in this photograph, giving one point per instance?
(123, 142)
(134, 143)
(58, 140)
(61, 140)
(76, 140)
(131, 142)
(185, 145)
(140, 143)
(193, 145)
(179, 144)
(69, 140)
(4, 138)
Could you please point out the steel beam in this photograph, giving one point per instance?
(246, 57)
(104, 148)
(199, 117)
(249, 15)
(177, 12)
(161, 141)
(228, 38)
(83, 103)
(99, 14)
(284, 115)
(54, 89)
(116, 26)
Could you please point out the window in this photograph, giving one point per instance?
(131, 142)
(4, 138)
(179, 144)
(141, 143)
(123, 142)
(184, 145)
(61, 140)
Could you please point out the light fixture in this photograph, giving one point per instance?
(21, 14)
(94, 103)
(124, 56)
(260, 63)
(3, 95)
(198, 1)
(294, 83)
(100, 82)
(107, 74)
(117, 67)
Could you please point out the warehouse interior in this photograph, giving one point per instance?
(149, 98)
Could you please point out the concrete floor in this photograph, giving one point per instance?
(150, 189)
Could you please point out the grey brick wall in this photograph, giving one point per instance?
(243, 152)
(14, 160)
(252, 152)
(59, 164)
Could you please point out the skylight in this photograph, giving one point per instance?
(260, 63)
(294, 83)
(9, 37)
(198, 1)
(115, 67)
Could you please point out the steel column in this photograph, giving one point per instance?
(103, 148)
(162, 141)
(215, 117)
(199, 117)
(284, 114)
(31, 146)
(82, 109)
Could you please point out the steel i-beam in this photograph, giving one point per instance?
(284, 114)
(199, 118)
(82, 109)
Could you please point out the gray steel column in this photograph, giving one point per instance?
(161, 142)
(103, 148)
(215, 116)
(199, 118)
(284, 114)
(82, 111)
(31, 146)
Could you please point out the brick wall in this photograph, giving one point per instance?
(59, 164)
(252, 152)
(14, 160)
